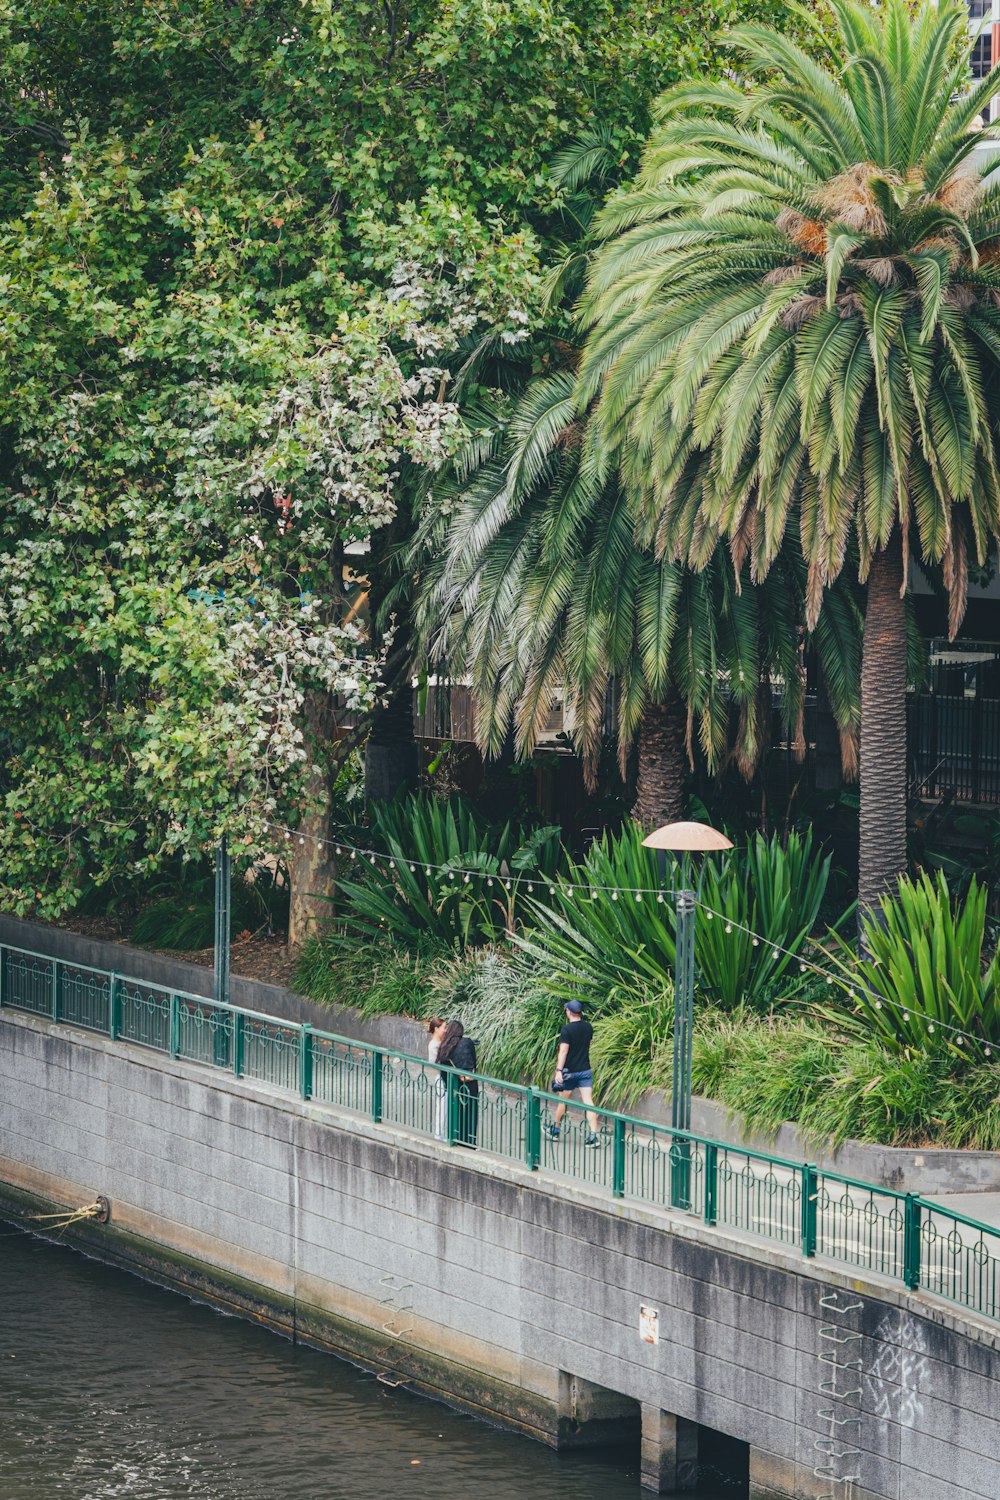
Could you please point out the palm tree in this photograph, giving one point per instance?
(796, 312)
(536, 586)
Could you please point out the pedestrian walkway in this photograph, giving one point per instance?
(949, 1246)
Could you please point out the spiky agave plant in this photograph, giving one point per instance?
(537, 586)
(796, 314)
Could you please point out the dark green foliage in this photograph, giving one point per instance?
(375, 979)
(181, 915)
(768, 888)
(423, 897)
(837, 1086)
(590, 945)
(921, 975)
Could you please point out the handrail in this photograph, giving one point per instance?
(913, 1240)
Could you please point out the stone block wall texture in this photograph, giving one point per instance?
(490, 1286)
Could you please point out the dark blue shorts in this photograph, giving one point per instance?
(571, 1081)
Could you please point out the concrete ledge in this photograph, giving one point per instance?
(928, 1171)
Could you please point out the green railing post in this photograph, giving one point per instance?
(810, 1193)
(175, 1026)
(711, 1182)
(238, 1019)
(533, 1131)
(3, 977)
(911, 1242)
(680, 1172)
(618, 1158)
(306, 1061)
(55, 989)
(378, 1079)
(115, 1007)
(452, 1086)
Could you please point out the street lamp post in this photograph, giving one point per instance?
(684, 839)
(220, 987)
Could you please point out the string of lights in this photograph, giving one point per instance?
(854, 988)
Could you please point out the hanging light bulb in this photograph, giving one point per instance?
(428, 870)
(338, 850)
(930, 1028)
(372, 860)
(729, 926)
(614, 895)
(552, 890)
(466, 877)
(490, 883)
(508, 884)
(413, 869)
(593, 895)
(756, 942)
(638, 895)
(709, 914)
(659, 898)
(354, 853)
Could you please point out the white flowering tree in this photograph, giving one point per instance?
(180, 472)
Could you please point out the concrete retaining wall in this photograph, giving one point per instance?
(492, 1287)
(926, 1171)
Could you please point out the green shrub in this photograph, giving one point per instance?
(836, 1086)
(442, 908)
(181, 914)
(770, 889)
(632, 1051)
(590, 946)
(921, 971)
(375, 978)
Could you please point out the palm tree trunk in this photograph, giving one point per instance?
(662, 764)
(883, 729)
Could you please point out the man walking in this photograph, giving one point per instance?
(573, 1071)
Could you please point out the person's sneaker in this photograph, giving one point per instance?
(554, 1132)
(591, 1140)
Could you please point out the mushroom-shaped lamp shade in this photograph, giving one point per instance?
(687, 838)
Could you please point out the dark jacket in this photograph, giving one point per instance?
(464, 1056)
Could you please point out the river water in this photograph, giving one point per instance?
(112, 1389)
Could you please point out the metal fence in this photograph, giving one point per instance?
(902, 1236)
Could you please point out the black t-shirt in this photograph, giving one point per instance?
(577, 1035)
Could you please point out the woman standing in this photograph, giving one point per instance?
(436, 1029)
(456, 1050)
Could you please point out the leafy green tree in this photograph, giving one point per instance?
(795, 315)
(239, 243)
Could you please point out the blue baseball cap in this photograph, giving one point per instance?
(574, 1007)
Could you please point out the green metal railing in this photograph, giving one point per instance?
(907, 1238)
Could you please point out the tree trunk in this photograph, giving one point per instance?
(311, 864)
(662, 764)
(883, 730)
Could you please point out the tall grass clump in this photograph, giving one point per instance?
(592, 939)
(420, 896)
(920, 981)
(375, 979)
